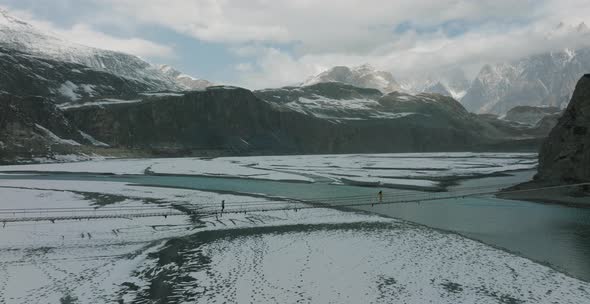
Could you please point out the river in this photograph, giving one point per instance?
(554, 235)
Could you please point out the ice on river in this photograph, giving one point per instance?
(422, 170)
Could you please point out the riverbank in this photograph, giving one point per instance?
(547, 193)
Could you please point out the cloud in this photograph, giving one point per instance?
(326, 25)
(85, 34)
(208, 20)
(285, 41)
(280, 42)
(414, 54)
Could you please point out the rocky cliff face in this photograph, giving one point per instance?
(565, 154)
(217, 119)
(287, 120)
(33, 127)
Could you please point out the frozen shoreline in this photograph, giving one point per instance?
(432, 170)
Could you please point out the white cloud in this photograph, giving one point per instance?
(325, 25)
(321, 34)
(85, 34)
(244, 67)
(281, 42)
(416, 54)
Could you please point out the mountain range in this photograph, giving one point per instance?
(539, 80)
(544, 79)
(58, 97)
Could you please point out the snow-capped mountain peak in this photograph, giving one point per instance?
(24, 37)
(187, 82)
(364, 76)
(450, 82)
(546, 79)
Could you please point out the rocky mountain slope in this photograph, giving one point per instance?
(564, 157)
(338, 101)
(60, 81)
(228, 120)
(539, 80)
(530, 115)
(18, 35)
(345, 104)
(329, 100)
(33, 127)
(185, 81)
(234, 120)
(565, 154)
(364, 76)
(450, 82)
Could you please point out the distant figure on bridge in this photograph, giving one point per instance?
(222, 206)
(380, 196)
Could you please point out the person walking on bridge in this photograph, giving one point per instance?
(222, 206)
(380, 196)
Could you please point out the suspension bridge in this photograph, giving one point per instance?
(213, 209)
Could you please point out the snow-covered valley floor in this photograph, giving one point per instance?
(363, 262)
(308, 256)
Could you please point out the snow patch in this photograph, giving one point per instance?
(56, 138)
(68, 89)
(88, 89)
(97, 103)
(92, 140)
(162, 94)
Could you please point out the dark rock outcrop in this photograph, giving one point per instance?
(221, 119)
(33, 127)
(234, 120)
(565, 154)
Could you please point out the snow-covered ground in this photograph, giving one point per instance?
(310, 255)
(365, 262)
(42, 262)
(402, 169)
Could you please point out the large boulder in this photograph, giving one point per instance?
(565, 154)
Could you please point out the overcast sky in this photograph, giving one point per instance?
(268, 43)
